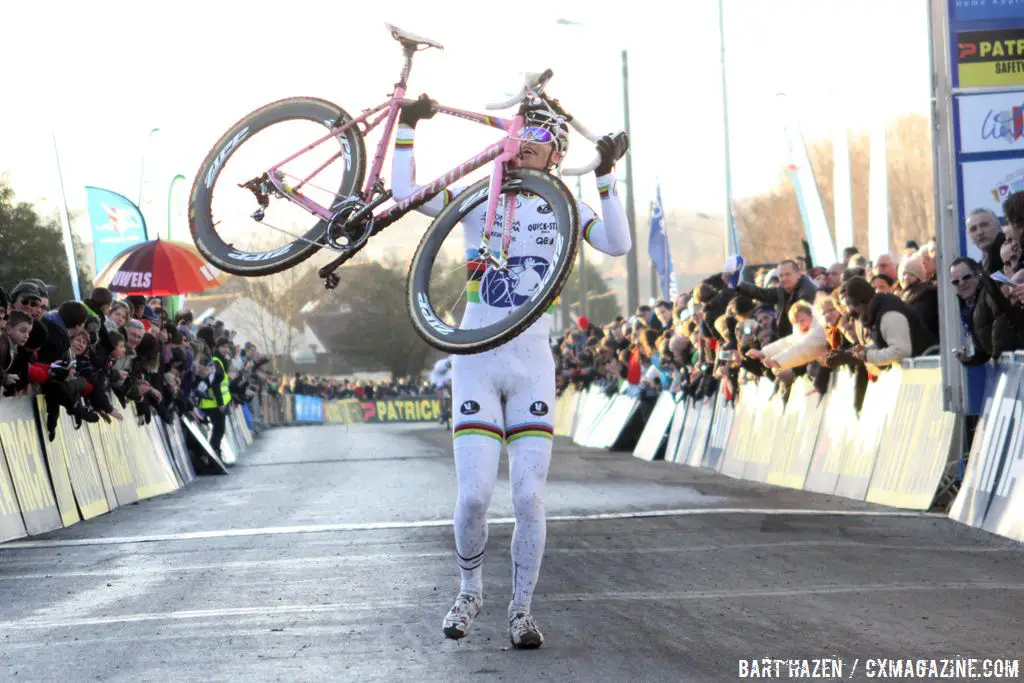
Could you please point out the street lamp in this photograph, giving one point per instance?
(633, 283)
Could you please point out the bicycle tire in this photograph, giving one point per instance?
(463, 342)
(204, 233)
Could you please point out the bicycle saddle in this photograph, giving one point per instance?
(411, 39)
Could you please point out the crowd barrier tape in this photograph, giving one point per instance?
(83, 473)
(991, 496)
(894, 452)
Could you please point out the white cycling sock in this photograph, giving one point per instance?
(529, 459)
(476, 466)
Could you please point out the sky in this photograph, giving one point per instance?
(100, 79)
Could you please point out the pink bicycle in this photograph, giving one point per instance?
(241, 201)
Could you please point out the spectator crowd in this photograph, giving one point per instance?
(796, 319)
(94, 357)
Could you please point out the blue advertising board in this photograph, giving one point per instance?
(309, 409)
(987, 10)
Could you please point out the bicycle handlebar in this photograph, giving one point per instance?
(534, 84)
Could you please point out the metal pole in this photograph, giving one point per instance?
(655, 290)
(170, 194)
(732, 245)
(947, 222)
(142, 171)
(69, 247)
(632, 266)
(584, 308)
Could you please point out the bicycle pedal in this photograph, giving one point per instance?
(331, 281)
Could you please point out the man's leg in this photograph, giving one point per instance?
(477, 437)
(530, 428)
(217, 420)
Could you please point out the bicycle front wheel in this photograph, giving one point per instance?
(230, 226)
(463, 304)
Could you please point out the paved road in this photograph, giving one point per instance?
(327, 555)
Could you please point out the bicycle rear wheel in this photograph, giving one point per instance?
(447, 287)
(221, 213)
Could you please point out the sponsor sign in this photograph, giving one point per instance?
(990, 58)
(402, 410)
(992, 122)
(19, 440)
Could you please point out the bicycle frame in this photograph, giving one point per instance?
(500, 152)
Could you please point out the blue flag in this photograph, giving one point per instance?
(658, 250)
(116, 224)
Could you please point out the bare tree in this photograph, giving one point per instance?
(270, 312)
(770, 224)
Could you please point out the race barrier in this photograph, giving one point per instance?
(289, 409)
(898, 450)
(90, 470)
(991, 496)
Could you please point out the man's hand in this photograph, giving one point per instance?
(422, 108)
(859, 352)
(756, 354)
(611, 148)
(770, 364)
(11, 379)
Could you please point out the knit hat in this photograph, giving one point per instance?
(912, 266)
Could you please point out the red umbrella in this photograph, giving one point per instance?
(160, 268)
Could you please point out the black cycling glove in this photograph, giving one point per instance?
(422, 108)
(611, 148)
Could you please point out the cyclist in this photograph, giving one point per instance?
(506, 395)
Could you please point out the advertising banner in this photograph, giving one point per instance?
(402, 410)
(987, 10)
(116, 224)
(990, 58)
(309, 409)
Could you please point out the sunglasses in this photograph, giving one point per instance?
(31, 303)
(956, 281)
(537, 134)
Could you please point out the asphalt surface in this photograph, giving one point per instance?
(327, 555)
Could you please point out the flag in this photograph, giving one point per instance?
(658, 250)
(116, 224)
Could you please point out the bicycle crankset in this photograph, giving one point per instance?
(345, 234)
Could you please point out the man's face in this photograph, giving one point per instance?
(119, 351)
(664, 314)
(788, 276)
(29, 305)
(537, 155)
(764, 320)
(835, 275)
(134, 337)
(963, 280)
(886, 266)
(19, 333)
(982, 228)
(72, 331)
(881, 286)
(105, 310)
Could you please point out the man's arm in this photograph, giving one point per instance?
(608, 233)
(769, 295)
(403, 164)
(896, 331)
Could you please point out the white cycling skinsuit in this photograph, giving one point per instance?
(507, 394)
